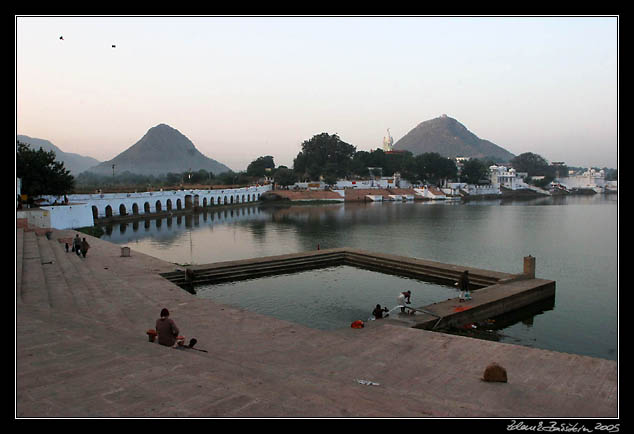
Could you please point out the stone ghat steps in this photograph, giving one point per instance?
(422, 270)
(19, 255)
(254, 268)
(72, 366)
(81, 351)
(251, 269)
(52, 279)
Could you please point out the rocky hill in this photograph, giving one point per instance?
(74, 162)
(449, 138)
(161, 150)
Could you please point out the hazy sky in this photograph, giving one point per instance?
(244, 87)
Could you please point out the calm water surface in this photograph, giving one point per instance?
(574, 240)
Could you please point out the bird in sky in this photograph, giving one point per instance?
(62, 38)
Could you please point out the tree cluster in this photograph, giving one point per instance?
(537, 166)
(327, 156)
(40, 173)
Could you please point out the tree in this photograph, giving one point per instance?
(258, 166)
(201, 177)
(473, 170)
(533, 164)
(41, 174)
(611, 174)
(173, 178)
(284, 176)
(324, 151)
(397, 162)
(432, 167)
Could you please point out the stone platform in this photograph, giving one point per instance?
(81, 351)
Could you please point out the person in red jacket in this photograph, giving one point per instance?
(168, 333)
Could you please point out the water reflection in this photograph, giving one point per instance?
(168, 229)
(495, 329)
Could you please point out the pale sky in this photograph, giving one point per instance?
(244, 87)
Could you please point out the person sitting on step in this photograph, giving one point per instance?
(168, 333)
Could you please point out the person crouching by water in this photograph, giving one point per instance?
(168, 333)
(404, 297)
(378, 311)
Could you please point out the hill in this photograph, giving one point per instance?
(161, 150)
(449, 138)
(74, 162)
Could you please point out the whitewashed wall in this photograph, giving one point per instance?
(70, 216)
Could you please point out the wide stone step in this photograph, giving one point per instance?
(255, 268)
(115, 281)
(60, 293)
(258, 270)
(19, 256)
(247, 269)
(68, 357)
(33, 288)
(108, 295)
(420, 270)
(83, 298)
(77, 287)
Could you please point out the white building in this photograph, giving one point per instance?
(431, 192)
(590, 179)
(502, 176)
(84, 208)
(381, 182)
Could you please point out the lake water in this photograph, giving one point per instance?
(574, 240)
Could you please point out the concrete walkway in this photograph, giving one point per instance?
(81, 351)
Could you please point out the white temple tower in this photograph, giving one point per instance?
(388, 142)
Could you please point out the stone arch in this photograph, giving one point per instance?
(122, 210)
(135, 208)
(179, 206)
(108, 211)
(169, 204)
(146, 207)
(95, 212)
(158, 206)
(188, 201)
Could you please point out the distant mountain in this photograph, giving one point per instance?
(161, 150)
(449, 138)
(74, 162)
